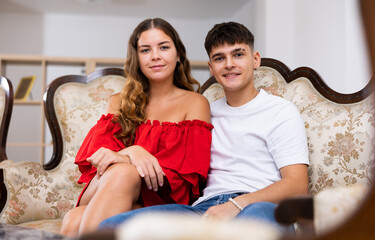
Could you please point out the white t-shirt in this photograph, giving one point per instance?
(252, 142)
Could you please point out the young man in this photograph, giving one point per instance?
(259, 152)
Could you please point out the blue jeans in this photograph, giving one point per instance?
(263, 211)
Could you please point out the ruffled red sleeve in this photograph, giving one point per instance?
(183, 151)
(100, 135)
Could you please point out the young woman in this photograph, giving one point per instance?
(154, 143)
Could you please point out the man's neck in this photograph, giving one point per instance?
(236, 99)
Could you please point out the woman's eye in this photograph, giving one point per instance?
(164, 47)
(144, 50)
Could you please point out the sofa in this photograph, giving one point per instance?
(339, 127)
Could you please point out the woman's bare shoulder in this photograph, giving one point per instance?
(196, 98)
(198, 107)
(114, 104)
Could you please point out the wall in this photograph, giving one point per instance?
(324, 35)
(21, 33)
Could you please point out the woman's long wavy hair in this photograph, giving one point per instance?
(135, 94)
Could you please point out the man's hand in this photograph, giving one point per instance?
(223, 211)
(105, 157)
(147, 166)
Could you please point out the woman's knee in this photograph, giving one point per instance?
(121, 175)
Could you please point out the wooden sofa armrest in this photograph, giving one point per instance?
(299, 211)
(292, 210)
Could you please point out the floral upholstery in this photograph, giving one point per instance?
(48, 225)
(39, 198)
(332, 206)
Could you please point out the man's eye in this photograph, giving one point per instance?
(238, 54)
(217, 59)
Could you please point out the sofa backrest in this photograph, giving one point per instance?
(339, 127)
(77, 106)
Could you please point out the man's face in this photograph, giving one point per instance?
(233, 66)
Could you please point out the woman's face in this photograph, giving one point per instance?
(157, 55)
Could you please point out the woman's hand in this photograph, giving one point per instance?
(105, 157)
(146, 164)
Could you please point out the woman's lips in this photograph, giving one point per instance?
(156, 67)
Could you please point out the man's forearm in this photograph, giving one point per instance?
(295, 183)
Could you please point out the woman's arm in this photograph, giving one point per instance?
(198, 108)
(114, 104)
(146, 164)
(105, 157)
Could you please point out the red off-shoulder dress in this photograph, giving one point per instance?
(182, 149)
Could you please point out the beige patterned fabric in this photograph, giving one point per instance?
(340, 136)
(49, 225)
(5, 163)
(332, 206)
(35, 194)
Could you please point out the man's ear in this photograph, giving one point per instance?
(257, 60)
(210, 67)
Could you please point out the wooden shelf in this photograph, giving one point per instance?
(28, 102)
(28, 144)
(89, 63)
(199, 64)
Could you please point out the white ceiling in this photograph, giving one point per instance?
(184, 9)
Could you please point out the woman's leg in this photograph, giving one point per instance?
(72, 219)
(71, 222)
(117, 191)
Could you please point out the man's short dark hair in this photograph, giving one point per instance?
(230, 33)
